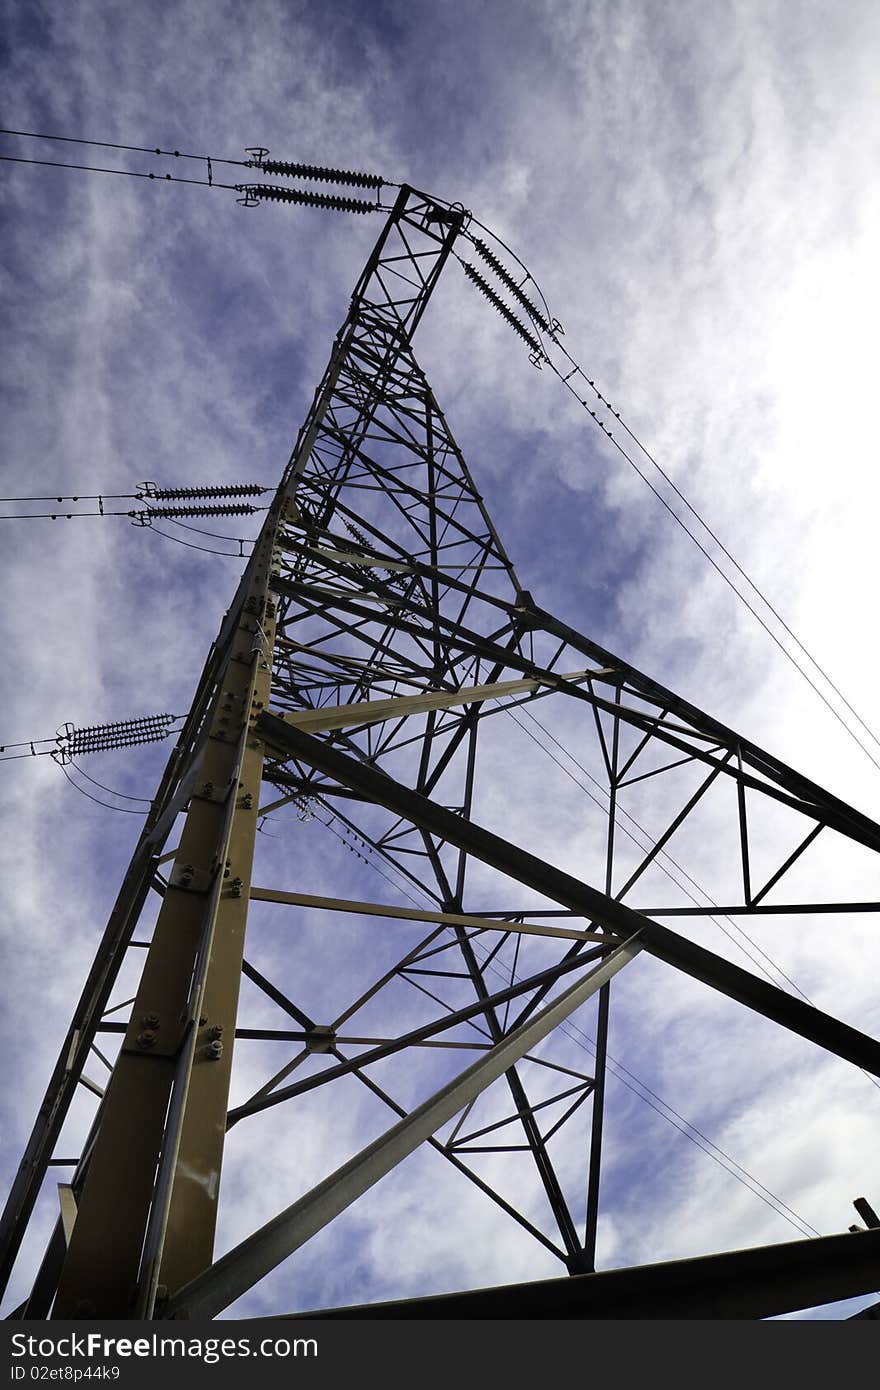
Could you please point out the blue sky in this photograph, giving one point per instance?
(694, 187)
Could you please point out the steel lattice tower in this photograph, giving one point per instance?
(378, 624)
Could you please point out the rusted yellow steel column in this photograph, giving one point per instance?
(166, 1099)
(185, 1244)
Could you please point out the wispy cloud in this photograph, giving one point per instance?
(695, 191)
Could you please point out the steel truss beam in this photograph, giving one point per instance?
(760, 1283)
(238, 1271)
(598, 907)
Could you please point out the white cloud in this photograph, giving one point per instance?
(698, 199)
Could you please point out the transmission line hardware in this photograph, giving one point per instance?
(254, 193)
(146, 518)
(103, 738)
(282, 168)
(151, 491)
(516, 324)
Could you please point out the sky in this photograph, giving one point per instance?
(694, 189)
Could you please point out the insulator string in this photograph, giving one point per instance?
(123, 733)
(507, 279)
(227, 509)
(303, 197)
(485, 288)
(169, 494)
(281, 168)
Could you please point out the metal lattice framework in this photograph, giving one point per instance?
(378, 626)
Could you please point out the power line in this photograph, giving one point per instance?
(142, 517)
(59, 516)
(251, 194)
(126, 173)
(553, 329)
(730, 583)
(724, 550)
(145, 522)
(673, 1117)
(110, 145)
(82, 772)
(80, 497)
(154, 492)
(241, 541)
(201, 500)
(97, 800)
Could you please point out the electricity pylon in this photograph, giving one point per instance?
(378, 625)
